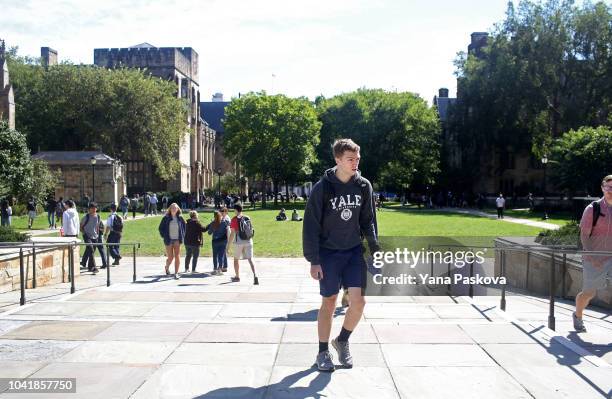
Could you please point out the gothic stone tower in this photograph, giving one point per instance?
(7, 98)
(179, 64)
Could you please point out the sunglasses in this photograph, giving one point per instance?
(607, 188)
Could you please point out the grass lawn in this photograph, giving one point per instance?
(284, 239)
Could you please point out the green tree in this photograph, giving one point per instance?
(546, 69)
(125, 112)
(397, 131)
(20, 175)
(580, 158)
(272, 137)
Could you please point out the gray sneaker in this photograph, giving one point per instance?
(325, 362)
(344, 355)
(578, 323)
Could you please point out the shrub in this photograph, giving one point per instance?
(568, 235)
(9, 234)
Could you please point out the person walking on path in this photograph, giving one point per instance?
(241, 237)
(153, 204)
(50, 208)
(113, 232)
(59, 210)
(224, 214)
(339, 211)
(193, 241)
(500, 203)
(220, 231)
(31, 208)
(595, 235)
(147, 204)
(71, 225)
(124, 204)
(6, 212)
(134, 203)
(90, 226)
(172, 230)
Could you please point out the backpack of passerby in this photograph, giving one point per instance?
(245, 228)
(117, 226)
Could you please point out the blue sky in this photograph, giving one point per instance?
(312, 47)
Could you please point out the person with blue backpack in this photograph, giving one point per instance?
(339, 212)
(241, 237)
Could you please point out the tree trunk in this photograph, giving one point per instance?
(274, 191)
(263, 193)
(287, 192)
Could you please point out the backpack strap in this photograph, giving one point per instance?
(596, 214)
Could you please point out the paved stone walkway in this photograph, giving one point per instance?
(203, 337)
(526, 222)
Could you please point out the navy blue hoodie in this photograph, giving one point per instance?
(347, 217)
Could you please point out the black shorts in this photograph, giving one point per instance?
(341, 268)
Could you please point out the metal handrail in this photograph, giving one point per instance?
(529, 248)
(69, 245)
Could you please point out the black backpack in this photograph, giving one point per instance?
(596, 214)
(245, 228)
(117, 226)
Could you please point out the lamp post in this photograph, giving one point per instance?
(93, 178)
(544, 162)
(219, 175)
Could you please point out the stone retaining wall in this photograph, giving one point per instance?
(51, 267)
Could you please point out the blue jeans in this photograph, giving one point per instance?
(192, 253)
(102, 251)
(88, 256)
(6, 220)
(113, 250)
(51, 218)
(219, 255)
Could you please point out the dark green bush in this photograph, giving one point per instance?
(9, 234)
(568, 235)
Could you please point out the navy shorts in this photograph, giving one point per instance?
(341, 268)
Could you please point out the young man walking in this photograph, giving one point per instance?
(596, 235)
(90, 227)
(500, 204)
(113, 231)
(241, 237)
(339, 211)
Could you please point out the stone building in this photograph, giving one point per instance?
(7, 97)
(102, 181)
(512, 171)
(178, 64)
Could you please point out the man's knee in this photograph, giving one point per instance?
(588, 294)
(329, 302)
(357, 301)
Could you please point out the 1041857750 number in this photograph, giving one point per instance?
(38, 385)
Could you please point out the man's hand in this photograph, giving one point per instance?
(316, 272)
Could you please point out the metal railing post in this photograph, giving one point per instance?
(502, 303)
(551, 311)
(108, 266)
(134, 261)
(71, 266)
(33, 265)
(22, 300)
(564, 276)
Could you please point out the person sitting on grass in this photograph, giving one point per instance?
(282, 216)
(295, 217)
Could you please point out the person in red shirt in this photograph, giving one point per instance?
(243, 243)
(595, 269)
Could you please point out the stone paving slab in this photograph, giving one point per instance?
(120, 352)
(266, 334)
(199, 381)
(451, 355)
(138, 331)
(224, 354)
(35, 350)
(58, 330)
(421, 334)
(456, 383)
